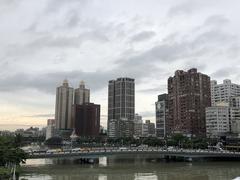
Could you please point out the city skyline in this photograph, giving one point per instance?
(96, 42)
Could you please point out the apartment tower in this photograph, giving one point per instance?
(64, 102)
(121, 104)
(81, 95)
(188, 95)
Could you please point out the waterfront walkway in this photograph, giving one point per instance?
(99, 152)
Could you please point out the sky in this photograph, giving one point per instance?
(43, 42)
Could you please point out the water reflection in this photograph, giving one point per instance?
(103, 161)
(128, 168)
(145, 176)
(102, 177)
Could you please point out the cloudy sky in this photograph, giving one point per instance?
(43, 42)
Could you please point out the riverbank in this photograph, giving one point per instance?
(4, 173)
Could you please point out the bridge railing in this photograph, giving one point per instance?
(150, 149)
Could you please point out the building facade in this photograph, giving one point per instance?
(113, 125)
(217, 120)
(148, 129)
(64, 102)
(121, 101)
(81, 94)
(138, 126)
(223, 92)
(235, 114)
(235, 120)
(51, 128)
(188, 96)
(162, 115)
(86, 118)
(125, 128)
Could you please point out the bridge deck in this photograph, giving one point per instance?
(160, 152)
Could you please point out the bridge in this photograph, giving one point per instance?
(100, 152)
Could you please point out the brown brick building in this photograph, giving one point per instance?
(189, 94)
(86, 119)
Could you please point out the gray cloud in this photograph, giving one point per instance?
(184, 8)
(139, 65)
(225, 72)
(217, 20)
(142, 36)
(56, 5)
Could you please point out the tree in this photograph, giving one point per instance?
(10, 153)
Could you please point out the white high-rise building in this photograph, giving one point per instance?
(217, 120)
(63, 107)
(82, 95)
(223, 92)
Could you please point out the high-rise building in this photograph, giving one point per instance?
(188, 96)
(162, 115)
(223, 92)
(121, 101)
(64, 102)
(86, 118)
(81, 95)
(138, 126)
(217, 120)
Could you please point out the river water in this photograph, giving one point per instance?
(129, 168)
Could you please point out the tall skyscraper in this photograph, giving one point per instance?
(223, 92)
(64, 102)
(162, 115)
(121, 101)
(82, 95)
(188, 96)
(86, 119)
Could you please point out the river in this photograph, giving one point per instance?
(129, 168)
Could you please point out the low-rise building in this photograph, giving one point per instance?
(148, 129)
